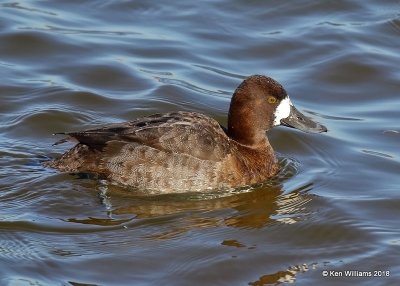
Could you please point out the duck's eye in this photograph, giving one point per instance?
(271, 99)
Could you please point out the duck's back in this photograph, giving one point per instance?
(172, 151)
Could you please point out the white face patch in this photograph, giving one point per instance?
(282, 110)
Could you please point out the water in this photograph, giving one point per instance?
(69, 65)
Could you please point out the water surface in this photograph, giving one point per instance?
(69, 65)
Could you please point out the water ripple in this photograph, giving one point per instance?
(16, 5)
(189, 86)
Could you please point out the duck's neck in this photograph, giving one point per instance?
(244, 126)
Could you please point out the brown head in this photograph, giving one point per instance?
(260, 103)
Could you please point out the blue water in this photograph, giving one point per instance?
(70, 65)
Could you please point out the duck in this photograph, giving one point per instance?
(184, 151)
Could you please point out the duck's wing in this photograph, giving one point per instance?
(176, 132)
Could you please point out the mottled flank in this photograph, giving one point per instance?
(184, 151)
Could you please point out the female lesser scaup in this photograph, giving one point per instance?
(188, 151)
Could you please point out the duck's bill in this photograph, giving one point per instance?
(299, 121)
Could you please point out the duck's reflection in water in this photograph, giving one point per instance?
(171, 217)
(247, 208)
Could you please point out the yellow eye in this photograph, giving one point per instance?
(271, 99)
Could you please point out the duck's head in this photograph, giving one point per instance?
(260, 103)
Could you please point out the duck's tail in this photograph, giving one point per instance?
(79, 159)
